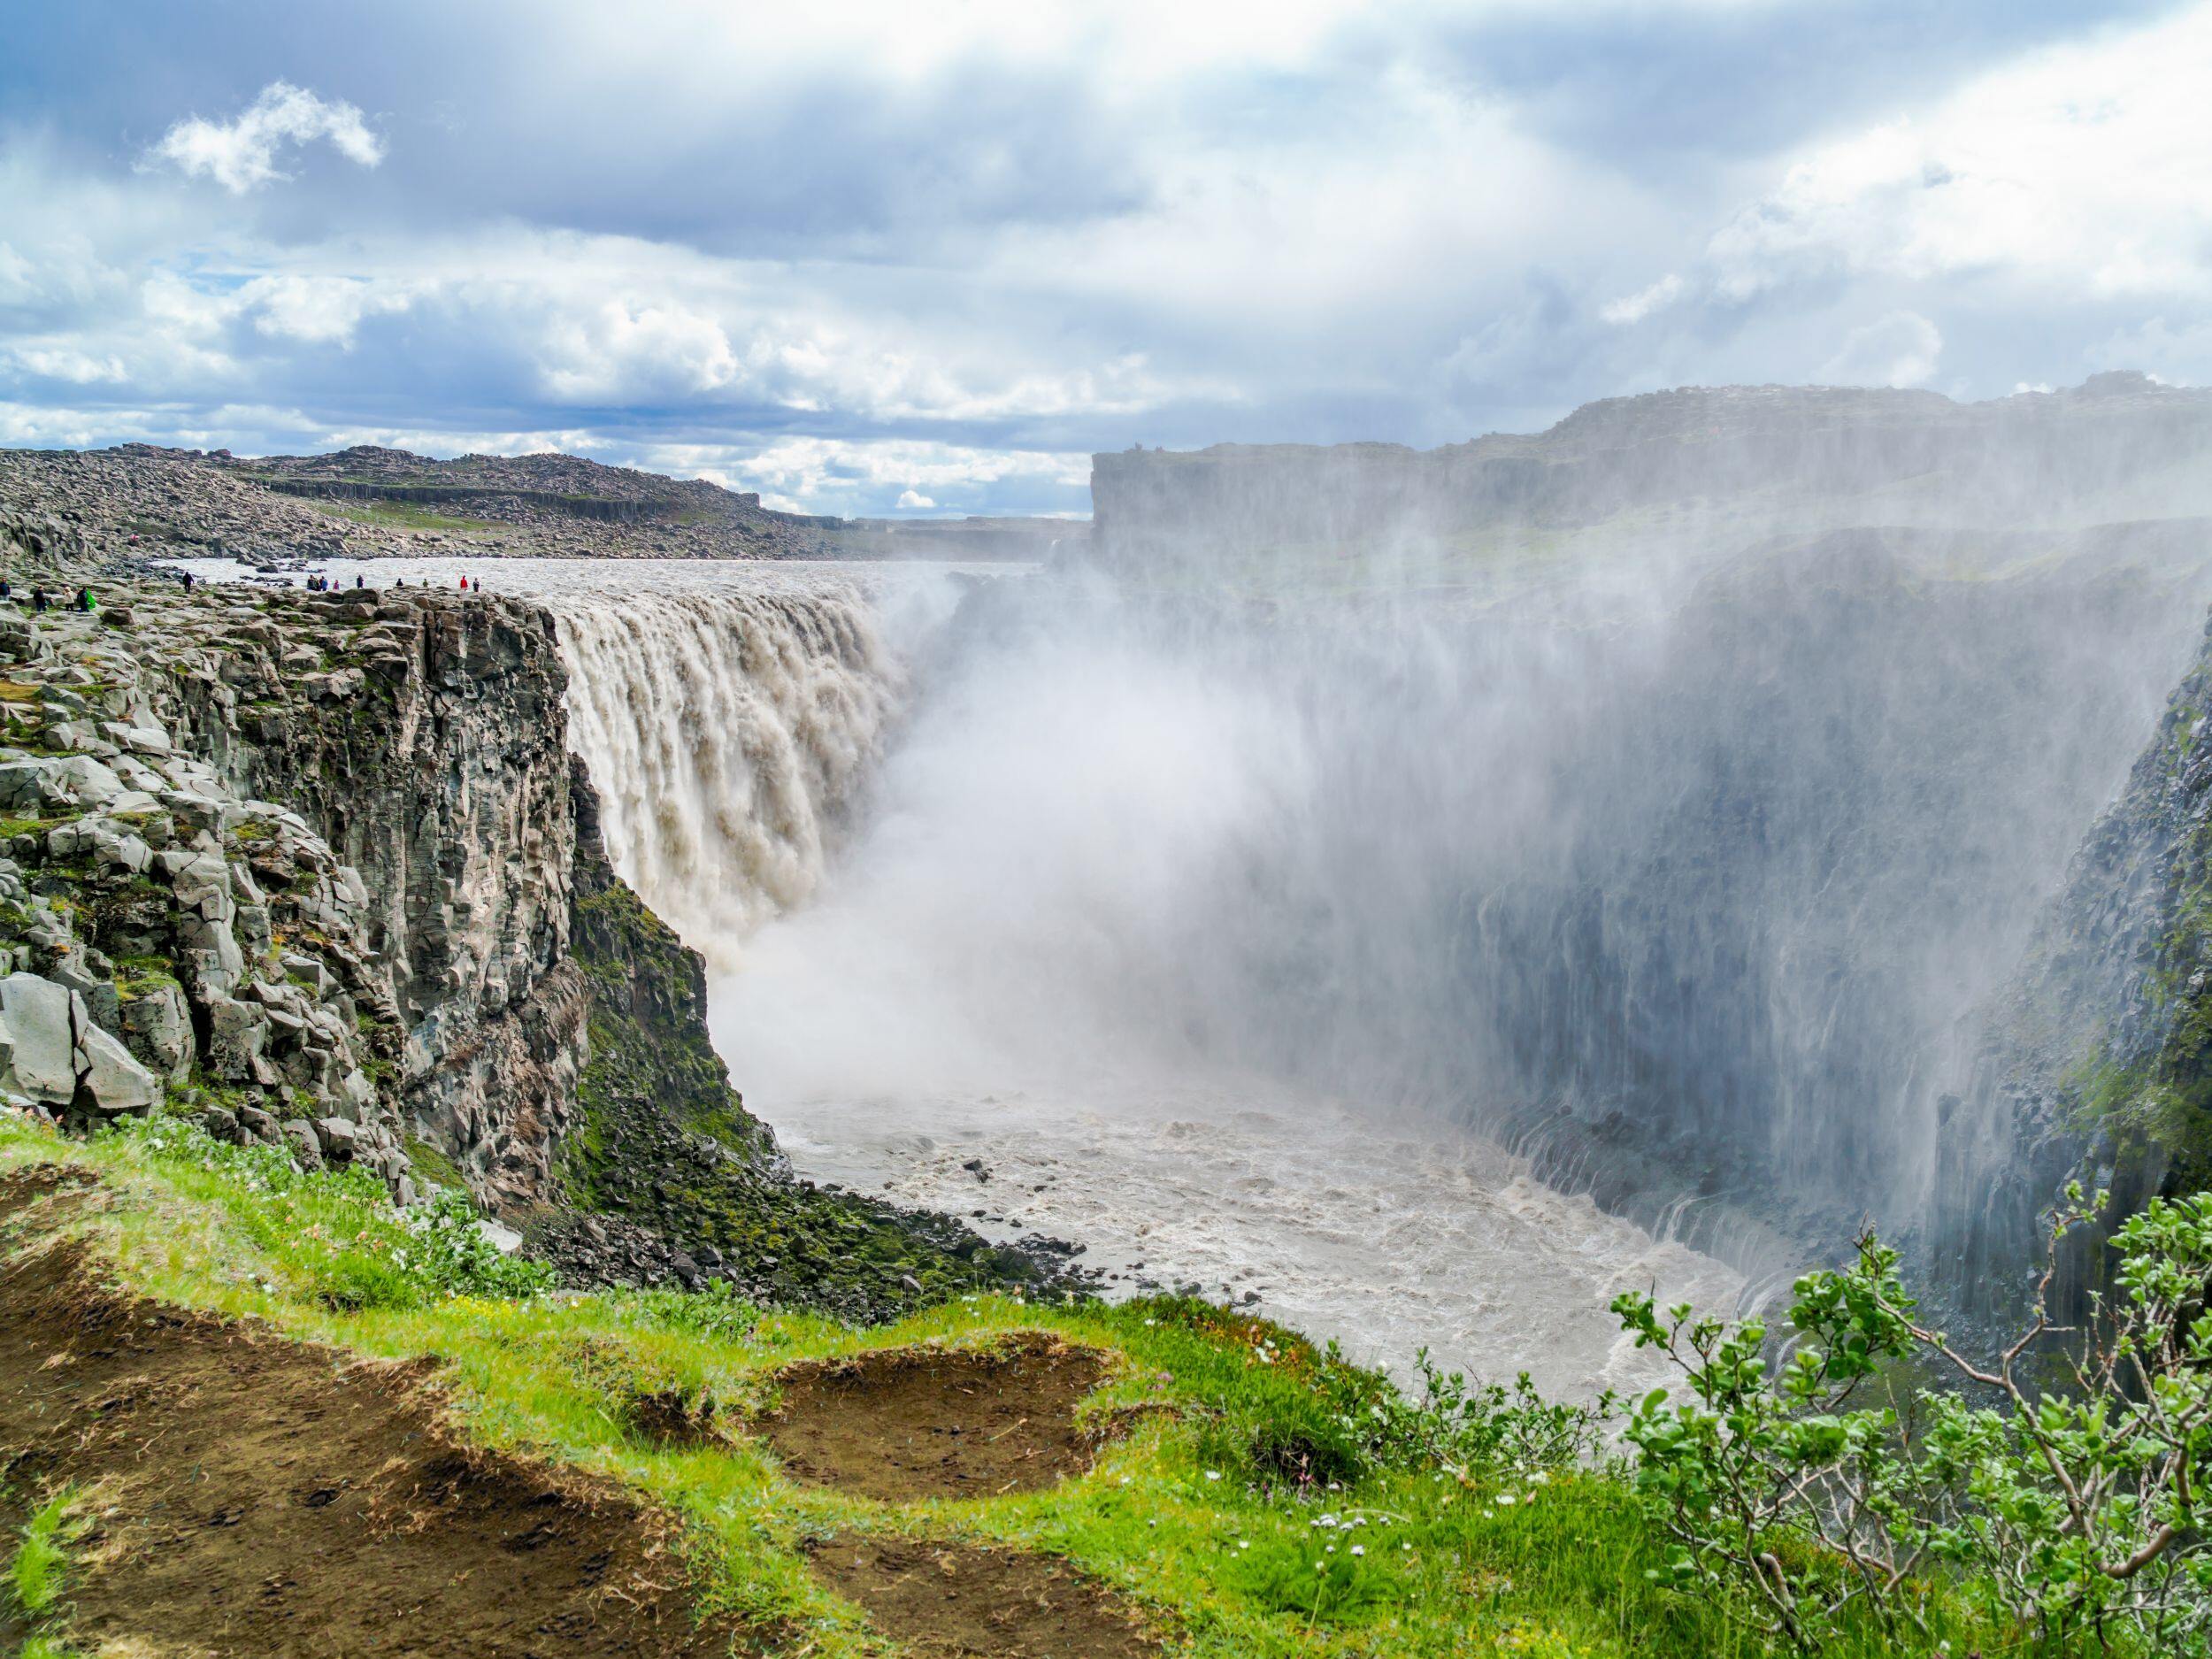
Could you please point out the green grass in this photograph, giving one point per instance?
(38, 1571)
(399, 515)
(42, 1556)
(1258, 1504)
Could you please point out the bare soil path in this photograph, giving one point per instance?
(259, 1495)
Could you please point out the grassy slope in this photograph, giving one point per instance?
(1190, 1513)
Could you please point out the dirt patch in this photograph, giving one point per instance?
(944, 1599)
(263, 1496)
(912, 1423)
(21, 1188)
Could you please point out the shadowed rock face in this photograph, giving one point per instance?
(424, 732)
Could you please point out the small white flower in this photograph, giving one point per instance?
(1213, 1474)
(1506, 1500)
(1359, 1550)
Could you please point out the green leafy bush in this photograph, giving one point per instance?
(2076, 1508)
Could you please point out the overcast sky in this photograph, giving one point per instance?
(928, 257)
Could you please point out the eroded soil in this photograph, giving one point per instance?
(260, 1496)
(914, 1422)
(945, 1600)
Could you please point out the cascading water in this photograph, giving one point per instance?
(729, 733)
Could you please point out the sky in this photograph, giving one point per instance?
(926, 258)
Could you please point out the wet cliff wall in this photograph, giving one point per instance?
(2096, 1062)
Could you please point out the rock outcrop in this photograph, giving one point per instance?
(168, 933)
(367, 503)
(424, 732)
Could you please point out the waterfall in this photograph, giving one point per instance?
(1704, 871)
(728, 731)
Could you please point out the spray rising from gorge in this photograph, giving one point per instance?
(1429, 936)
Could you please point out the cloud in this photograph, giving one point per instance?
(914, 498)
(1898, 349)
(319, 309)
(241, 154)
(1633, 307)
(2086, 169)
(949, 252)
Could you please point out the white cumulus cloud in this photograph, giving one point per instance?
(2084, 168)
(241, 154)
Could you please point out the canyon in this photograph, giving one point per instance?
(1683, 835)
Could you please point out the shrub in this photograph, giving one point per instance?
(2076, 1509)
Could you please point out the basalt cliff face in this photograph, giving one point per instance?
(318, 870)
(2096, 1062)
(330, 837)
(422, 733)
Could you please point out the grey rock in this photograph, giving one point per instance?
(41, 1038)
(236, 1032)
(158, 1030)
(111, 1081)
(306, 1146)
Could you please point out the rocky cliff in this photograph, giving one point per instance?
(2096, 1061)
(318, 869)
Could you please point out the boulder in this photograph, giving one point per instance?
(41, 1038)
(338, 1137)
(158, 1030)
(299, 1134)
(236, 1032)
(110, 1082)
(81, 781)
